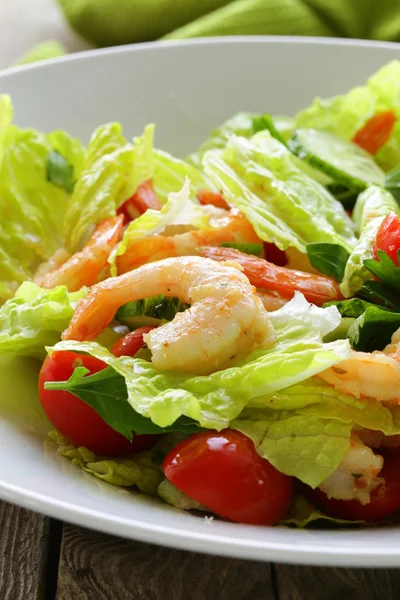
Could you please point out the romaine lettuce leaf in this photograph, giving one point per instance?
(240, 124)
(178, 210)
(34, 318)
(32, 208)
(137, 470)
(307, 447)
(168, 173)
(285, 206)
(371, 208)
(345, 115)
(216, 399)
(106, 168)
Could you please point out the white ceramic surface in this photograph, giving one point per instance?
(186, 88)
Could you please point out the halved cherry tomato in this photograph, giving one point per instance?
(223, 472)
(388, 237)
(376, 131)
(317, 289)
(214, 198)
(143, 198)
(77, 420)
(385, 499)
(131, 342)
(274, 255)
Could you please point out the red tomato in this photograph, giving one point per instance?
(385, 499)
(274, 255)
(74, 418)
(131, 342)
(264, 275)
(223, 472)
(214, 198)
(388, 237)
(376, 131)
(144, 198)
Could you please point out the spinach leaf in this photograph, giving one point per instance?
(353, 308)
(329, 259)
(59, 171)
(106, 393)
(373, 330)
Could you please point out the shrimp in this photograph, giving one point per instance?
(317, 289)
(228, 228)
(226, 319)
(84, 267)
(372, 374)
(356, 476)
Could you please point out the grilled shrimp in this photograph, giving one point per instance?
(356, 476)
(226, 319)
(84, 267)
(230, 227)
(372, 374)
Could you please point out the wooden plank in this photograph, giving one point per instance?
(94, 566)
(317, 583)
(23, 550)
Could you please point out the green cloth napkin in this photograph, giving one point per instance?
(114, 22)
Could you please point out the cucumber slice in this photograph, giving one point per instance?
(343, 161)
(150, 311)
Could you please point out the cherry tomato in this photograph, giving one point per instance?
(376, 131)
(318, 289)
(214, 198)
(385, 499)
(274, 255)
(74, 418)
(223, 472)
(388, 237)
(131, 343)
(144, 198)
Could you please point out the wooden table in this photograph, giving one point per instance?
(43, 559)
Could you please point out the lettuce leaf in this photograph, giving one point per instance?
(345, 115)
(105, 170)
(240, 124)
(34, 318)
(285, 206)
(370, 210)
(137, 470)
(302, 513)
(216, 399)
(32, 208)
(307, 447)
(178, 210)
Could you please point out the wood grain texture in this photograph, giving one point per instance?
(316, 583)
(23, 552)
(95, 566)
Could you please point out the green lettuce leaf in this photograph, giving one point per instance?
(170, 494)
(178, 210)
(302, 513)
(371, 208)
(105, 170)
(345, 115)
(137, 470)
(216, 399)
(34, 318)
(71, 149)
(241, 124)
(305, 429)
(32, 208)
(168, 173)
(307, 447)
(285, 206)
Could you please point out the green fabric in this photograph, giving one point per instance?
(113, 22)
(44, 51)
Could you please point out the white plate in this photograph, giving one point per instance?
(187, 88)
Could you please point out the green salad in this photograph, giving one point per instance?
(220, 330)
